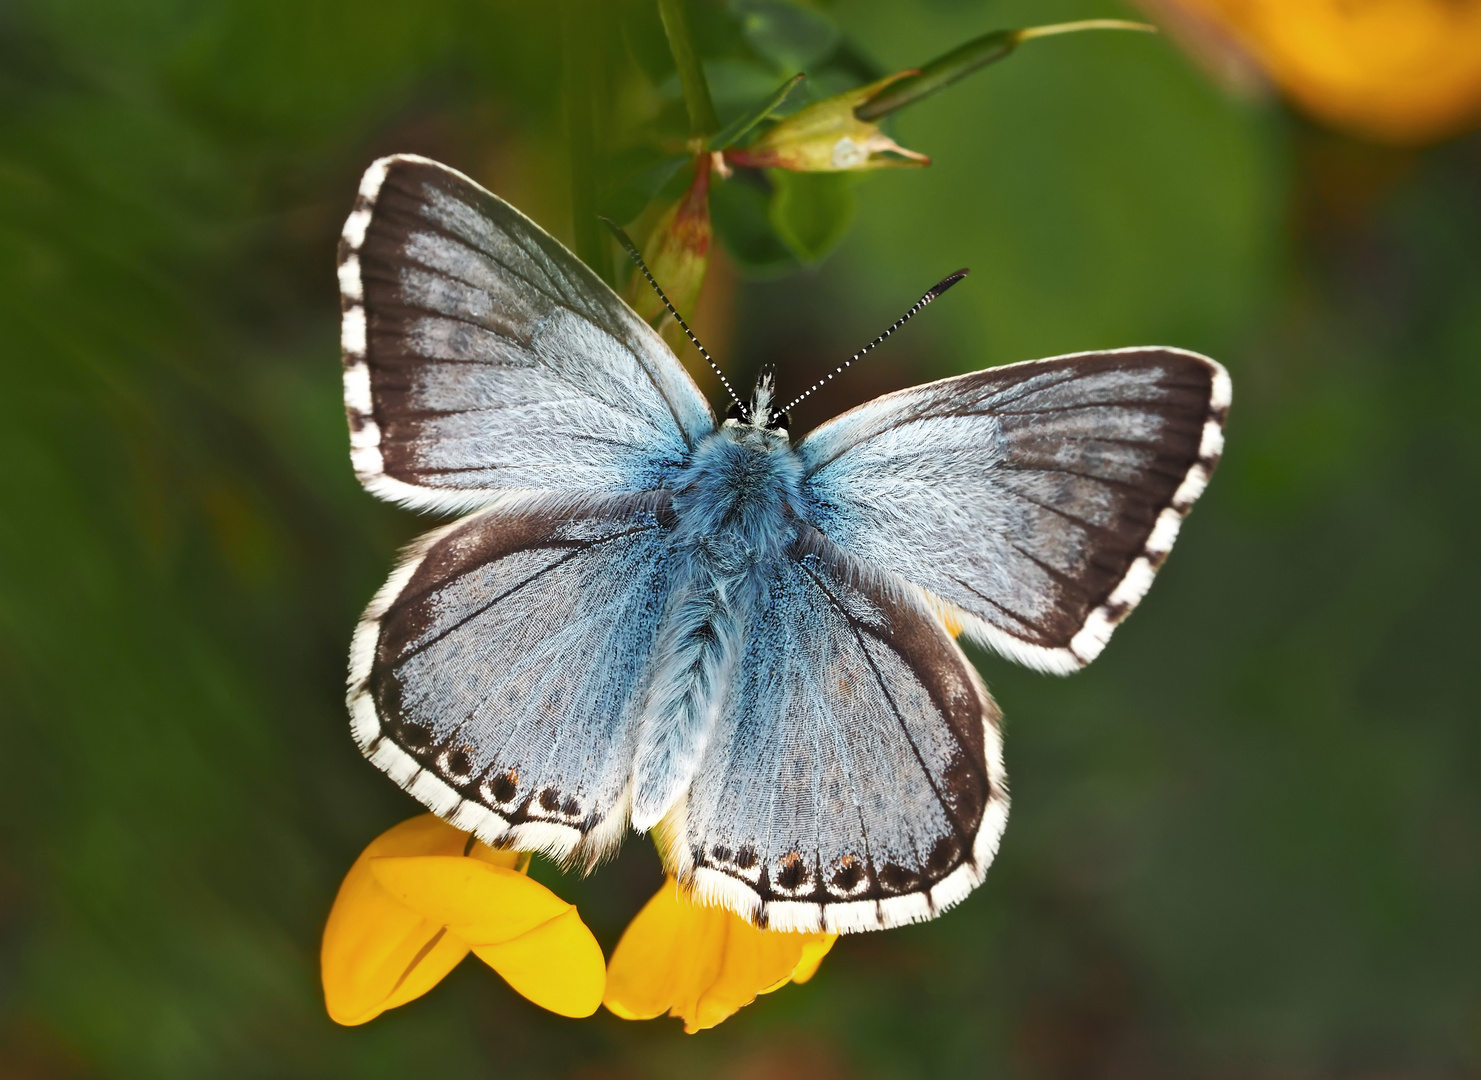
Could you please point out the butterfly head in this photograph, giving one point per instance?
(763, 411)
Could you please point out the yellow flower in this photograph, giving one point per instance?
(424, 894)
(1403, 71)
(702, 964)
(827, 137)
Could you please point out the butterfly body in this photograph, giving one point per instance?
(744, 644)
(732, 507)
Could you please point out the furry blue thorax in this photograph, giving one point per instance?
(734, 496)
(733, 504)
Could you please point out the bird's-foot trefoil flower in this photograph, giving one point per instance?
(421, 897)
(702, 964)
(1398, 71)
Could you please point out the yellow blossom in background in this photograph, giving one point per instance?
(1403, 71)
(424, 894)
(702, 964)
(827, 137)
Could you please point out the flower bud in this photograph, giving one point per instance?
(827, 137)
(677, 254)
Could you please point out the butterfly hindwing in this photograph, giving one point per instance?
(854, 779)
(497, 675)
(483, 357)
(1034, 501)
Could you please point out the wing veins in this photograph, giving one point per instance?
(1088, 526)
(543, 288)
(558, 301)
(1124, 484)
(1144, 406)
(554, 298)
(1021, 620)
(493, 406)
(555, 743)
(576, 548)
(540, 365)
(441, 469)
(1064, 579)
(854, 627)
(839, 745)
(1007, 394)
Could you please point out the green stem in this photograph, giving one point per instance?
(1084, 24)
(965, 59)
(580, 66)
(702, 118)
(734, 131)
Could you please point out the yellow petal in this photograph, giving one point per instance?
(377, 953)
(812, 956)
(481, 903)
(558, 965)
(642, 974)
(701, 964)
(510, 860)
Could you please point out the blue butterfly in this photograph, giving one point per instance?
(742, 643)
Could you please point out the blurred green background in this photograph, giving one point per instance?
(1245, 843)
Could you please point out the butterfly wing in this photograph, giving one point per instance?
(854, 780)
(496, 675)
(1034, 502)
(482, 357)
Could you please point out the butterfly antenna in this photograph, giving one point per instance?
(632, 253)
(935, 291)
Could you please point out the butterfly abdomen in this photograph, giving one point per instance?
(733, 523)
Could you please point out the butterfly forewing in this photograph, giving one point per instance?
(1034, 501)
(497, 676)
(854, 780)
(482, 357)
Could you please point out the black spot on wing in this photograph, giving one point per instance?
(441, 744)
(961, 785)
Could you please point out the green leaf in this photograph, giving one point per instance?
(732, 132)
(790, 35)
(738, 208)
(625, 200)
(811, 211)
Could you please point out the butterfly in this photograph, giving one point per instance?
(744, 644)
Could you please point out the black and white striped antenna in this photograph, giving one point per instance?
(935, 291)
(632, 253)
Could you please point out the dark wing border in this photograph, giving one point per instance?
(1089, 641)
(365, 433)
(710, 886)
(365, 721)
(559, 841)
(1093, 635)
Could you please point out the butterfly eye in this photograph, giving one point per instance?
(735, 412)
(779, 420)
